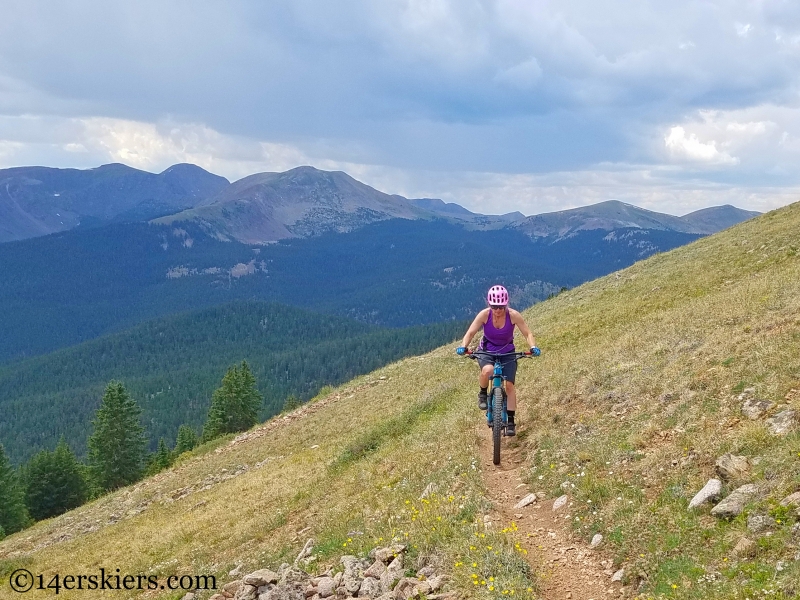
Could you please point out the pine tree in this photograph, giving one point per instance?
(186, 440)
(291, 403)
(13, 515)
(234, 405)
(54, 482)
(160, 459)
(117, 445)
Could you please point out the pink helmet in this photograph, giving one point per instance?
(498, 295)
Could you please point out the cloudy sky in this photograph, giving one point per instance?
(499, 105)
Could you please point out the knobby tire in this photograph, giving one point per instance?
(497, 422)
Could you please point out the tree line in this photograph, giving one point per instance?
(172, 366)
(53, 482)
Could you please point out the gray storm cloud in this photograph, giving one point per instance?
(403, 91)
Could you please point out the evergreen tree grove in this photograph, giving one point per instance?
(235, 404)
(117, 444)
(54, 482)
(13, 515)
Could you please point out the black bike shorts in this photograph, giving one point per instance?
(509, 367)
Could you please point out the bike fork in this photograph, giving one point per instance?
(504, 409)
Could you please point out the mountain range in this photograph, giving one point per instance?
(267, 207)
(310, 238)
(36, 201)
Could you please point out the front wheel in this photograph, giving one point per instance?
(497, 422)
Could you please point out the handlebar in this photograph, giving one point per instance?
(475, 354)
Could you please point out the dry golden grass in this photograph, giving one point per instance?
(380, 442)
(638, 395)
(631, 403)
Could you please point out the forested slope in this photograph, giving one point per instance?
(74, 286)
(172, 365)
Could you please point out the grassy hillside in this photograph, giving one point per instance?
(636, 395)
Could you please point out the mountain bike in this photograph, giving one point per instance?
(497, 414)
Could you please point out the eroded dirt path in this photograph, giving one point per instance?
(565, 566)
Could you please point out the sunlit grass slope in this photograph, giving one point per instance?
(633, 400)
(349, 474)
(639, 394)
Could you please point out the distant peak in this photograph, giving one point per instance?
(178, 167)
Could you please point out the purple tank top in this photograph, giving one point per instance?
(498, 340)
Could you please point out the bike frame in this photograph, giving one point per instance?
(498, 379)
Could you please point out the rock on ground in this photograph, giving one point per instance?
(783, 422)
(560, 502)
(745, 547)
(529, 499)
(734, 504)
(754, 409)
(729, 466)
(711, 490)
(791, 499)
(759, 523)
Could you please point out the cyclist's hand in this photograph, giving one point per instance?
(535, 351)
(461, 350)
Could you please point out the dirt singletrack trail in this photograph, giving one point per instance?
(565, 567)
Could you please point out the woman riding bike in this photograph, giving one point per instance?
(498, 322)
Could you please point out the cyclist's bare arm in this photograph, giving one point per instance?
(476, 326)
(519, 321)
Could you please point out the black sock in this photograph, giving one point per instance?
(511, 415)
(484, 389)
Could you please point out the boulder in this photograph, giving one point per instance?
(760, 523)
(436, 583)
(734, 504)
(754, 409)
(232, 587)
(392, 575)
(791, 499)
(730, 466)
(246, 592)
(351, 583)
(326, 587)
(404, 589)
(745, 547)
(711, 490)
(388, 554)
(377, 569)
(261, 577)
(529, 499)
(783, 422)
(426, 571)
(423, 588)
(370, 588)
(560, 502)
